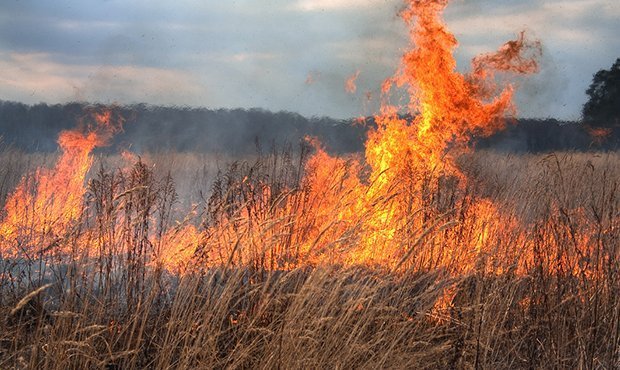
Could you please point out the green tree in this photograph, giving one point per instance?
(603, 107)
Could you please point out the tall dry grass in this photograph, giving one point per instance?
(545, 294)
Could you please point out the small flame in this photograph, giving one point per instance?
(350, 84)
(599, 134)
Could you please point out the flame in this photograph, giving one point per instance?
(448, 110)
(350, 85)
(449, 107)
(45, 203)
(384, 208)
(180, 245)
(599, 134)
(380, 210)
(374, 203)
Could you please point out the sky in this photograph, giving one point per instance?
(293, 55)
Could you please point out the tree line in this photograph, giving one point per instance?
(150, 128)
(240, 131)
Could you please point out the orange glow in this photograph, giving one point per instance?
(448, 109)
(371, 204)
(45, 203)
(180, 245)
(350, 85)
(599, 134)
(384, 208)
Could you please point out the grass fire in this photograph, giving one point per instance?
(421, 248)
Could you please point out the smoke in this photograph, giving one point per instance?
(544, 93)
(180, 129)
(237, 132)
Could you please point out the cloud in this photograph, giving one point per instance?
(315, 5)
(576, 22)
(35, 77)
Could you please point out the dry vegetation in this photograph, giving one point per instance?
(412, 255)
(547, 296)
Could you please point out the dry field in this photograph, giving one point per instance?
(420, 253)
(529, 282)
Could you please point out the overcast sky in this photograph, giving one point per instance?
(280, 54)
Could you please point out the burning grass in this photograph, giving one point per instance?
(420, 253)
(547, 295)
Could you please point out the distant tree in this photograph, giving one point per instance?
(603, 107)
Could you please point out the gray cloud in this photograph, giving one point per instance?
(249, 53)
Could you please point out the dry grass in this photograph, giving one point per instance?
(114, 310)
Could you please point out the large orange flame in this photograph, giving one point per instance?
(449, 107)
(372, 211)
(377, 210)
(45, 203)
(446, 110)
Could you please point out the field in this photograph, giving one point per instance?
(532, 284)
(420, 252)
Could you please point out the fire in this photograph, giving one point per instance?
(449, 107)
(448, 110)
(350, 85)
(180, 245)
(599, 134)
(45, 203)
(380, 210)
